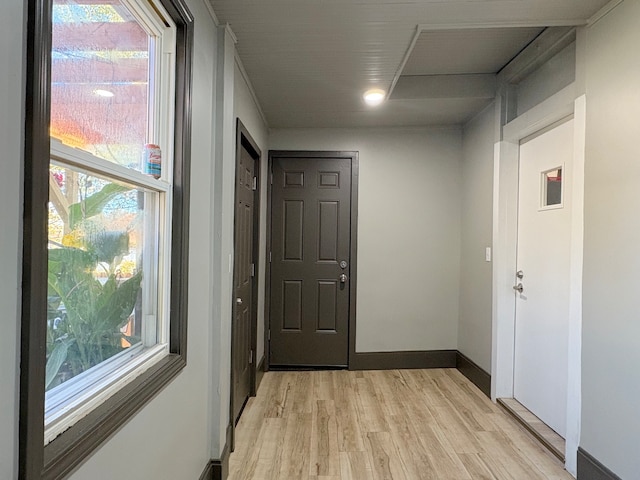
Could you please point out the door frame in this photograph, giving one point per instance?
(244, 139)
(505, 231)
(353, 157)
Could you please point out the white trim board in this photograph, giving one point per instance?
(505, 228)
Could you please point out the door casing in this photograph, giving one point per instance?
(353, 156)
(505, 221)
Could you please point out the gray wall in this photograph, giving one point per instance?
(408, 231)
(611, 326)
(474, 329)
(248, 111)
(551, 77)
(11, 142)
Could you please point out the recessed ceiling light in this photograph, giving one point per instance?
(374, 97)
(103, 93)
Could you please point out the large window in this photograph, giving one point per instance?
(104, 309)
(107, 222)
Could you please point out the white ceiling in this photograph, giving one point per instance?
(310, 60)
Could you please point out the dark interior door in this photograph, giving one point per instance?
(310, 246)
(243, 280)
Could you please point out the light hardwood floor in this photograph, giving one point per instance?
(395, 424)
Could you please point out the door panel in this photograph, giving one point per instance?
(328, 232)
(292, 315)
(542, 308)
(327, 305)
(311, 214)
(293, 229)
(243, 281)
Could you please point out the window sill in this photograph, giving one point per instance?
(69, 449)
(71, 401)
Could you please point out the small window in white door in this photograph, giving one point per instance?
(552, 189)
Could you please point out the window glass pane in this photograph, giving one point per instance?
(100, 63)
(98, 239)
(552, 184)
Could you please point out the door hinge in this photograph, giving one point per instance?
(250, 356)
(253, 269)
(269, 257)
(255, 184)
(269, 334)
(271, 178)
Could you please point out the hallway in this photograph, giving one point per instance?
(395, 424)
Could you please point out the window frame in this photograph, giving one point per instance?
(544, 189)
(67, 451)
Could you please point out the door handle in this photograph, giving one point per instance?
(519, 288)
(343, 278)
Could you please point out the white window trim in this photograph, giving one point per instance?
(83, 160)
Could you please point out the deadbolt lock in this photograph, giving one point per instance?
(343, 264)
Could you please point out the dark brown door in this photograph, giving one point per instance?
(310, 245)
(244, 271)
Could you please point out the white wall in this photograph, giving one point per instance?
(611, 329)
(247, 109)
(408, 231)
(11, 144)
(474, 328)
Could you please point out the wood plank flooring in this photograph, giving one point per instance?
(394, 424)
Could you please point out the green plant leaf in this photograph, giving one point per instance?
(96, 310)
(94, 204)
(108, 245)
(69, 269)
(118, 303)
(56, 359)
(69, 260)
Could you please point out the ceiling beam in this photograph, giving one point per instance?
(444, 86)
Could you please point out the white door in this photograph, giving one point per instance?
(542, 308)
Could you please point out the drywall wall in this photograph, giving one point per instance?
(551, 77)
(11, 145)
(408, 231)
(221, 237)
(474, 327)
(171, 437)
(248, 111)
(611, 330)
